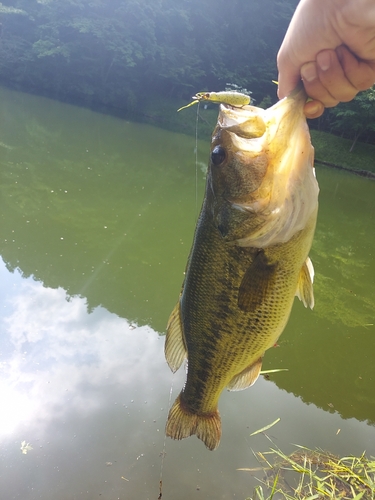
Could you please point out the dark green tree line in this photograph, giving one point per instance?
(120, 52)
(356, 118)
(113, 52)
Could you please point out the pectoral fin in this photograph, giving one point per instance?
(256, 283)
(174, 348)
(305, 291)
(247, 377)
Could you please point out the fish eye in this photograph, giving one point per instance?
(218, 155)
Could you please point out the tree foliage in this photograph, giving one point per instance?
(355, 118)
(114, 52)
(120, 53)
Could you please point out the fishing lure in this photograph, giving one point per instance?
(235, 99)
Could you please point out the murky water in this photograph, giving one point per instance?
(97, 216)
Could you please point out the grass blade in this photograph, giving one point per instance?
(265, 428)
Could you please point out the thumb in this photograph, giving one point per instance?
(288, 77)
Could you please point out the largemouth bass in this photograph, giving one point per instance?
(248, 260)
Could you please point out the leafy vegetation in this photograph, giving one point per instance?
(128, 55)
(356, 118)
(117, 52)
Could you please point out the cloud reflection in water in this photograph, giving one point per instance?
(57, 356)
(86, 390)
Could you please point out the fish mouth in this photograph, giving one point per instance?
(287, 194)
(251, 122)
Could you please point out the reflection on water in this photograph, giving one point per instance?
(46, 368)
(97, 217)
(70, 381)
(332, 349)
(89, 393)
(86, 205)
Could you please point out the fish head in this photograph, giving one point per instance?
(261, 180)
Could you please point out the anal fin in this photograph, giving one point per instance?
(174, 347)
(247, 377)
(305, 291)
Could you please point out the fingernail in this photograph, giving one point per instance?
(308, 72)
(324, 60)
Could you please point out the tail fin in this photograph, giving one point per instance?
(181, 424)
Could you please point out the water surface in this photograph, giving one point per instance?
(97, 217)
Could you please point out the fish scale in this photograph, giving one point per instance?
(228, 330)
(249, 259)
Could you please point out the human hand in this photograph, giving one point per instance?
(336, 76)
(316, 49)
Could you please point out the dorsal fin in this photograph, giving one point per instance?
(174, 347)
(256, 282)
(305, 291)
(247, 377)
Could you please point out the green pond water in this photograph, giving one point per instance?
(96, 221)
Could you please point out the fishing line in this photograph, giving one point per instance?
(196, 163)
(163, 453)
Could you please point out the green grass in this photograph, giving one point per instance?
(329, 149)
(314, 474)
(335, 150)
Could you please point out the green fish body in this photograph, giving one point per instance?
(248, 260)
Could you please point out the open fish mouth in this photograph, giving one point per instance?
(275, 144)
(252, 122)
